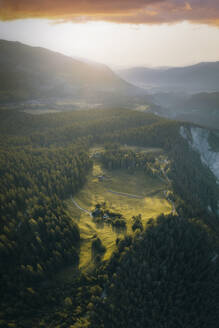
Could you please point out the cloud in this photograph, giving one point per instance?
(119, 11)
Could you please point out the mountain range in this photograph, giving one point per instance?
(33, 78)
(202, 77)
(38, 76)
(188, 93)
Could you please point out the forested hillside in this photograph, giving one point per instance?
(32, 77)
(164, 277)
(201, 108)
(45, 159)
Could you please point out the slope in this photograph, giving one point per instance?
(192, 79)
(40, 76)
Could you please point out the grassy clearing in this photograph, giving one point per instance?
(150, 205)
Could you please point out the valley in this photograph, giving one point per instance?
(103, 195)
(83, 190)
(125, 192)
(35, 78)
(187, 93)
(43, 81)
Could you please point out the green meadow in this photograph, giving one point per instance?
(143, 195)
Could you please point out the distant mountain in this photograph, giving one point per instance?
(185, 93)
(201, 77)
(201, 108)
(37, 76)
(203, 101)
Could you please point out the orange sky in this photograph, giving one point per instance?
(119, 11)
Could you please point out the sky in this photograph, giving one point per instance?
(119, 33)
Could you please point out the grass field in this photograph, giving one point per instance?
(151, 202)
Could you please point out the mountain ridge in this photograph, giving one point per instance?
(200, 77)
(38, 74)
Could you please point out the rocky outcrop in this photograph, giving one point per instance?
(198, 139)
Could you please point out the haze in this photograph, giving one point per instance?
(120, 45)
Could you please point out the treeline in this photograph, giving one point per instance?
(115, 157)
(160, 133)
(64, 128)
(103, 215)
(153, 163)
(45, 159)
(37, 238)
(193, 183)
(165, 277)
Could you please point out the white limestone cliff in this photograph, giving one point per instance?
(198, 140)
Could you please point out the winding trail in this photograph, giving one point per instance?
(125, 194)
(81, 208)
(112, 192)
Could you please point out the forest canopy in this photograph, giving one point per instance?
(45, 159)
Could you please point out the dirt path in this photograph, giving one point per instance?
(81, 208)
(124, 194)
(112, 192)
